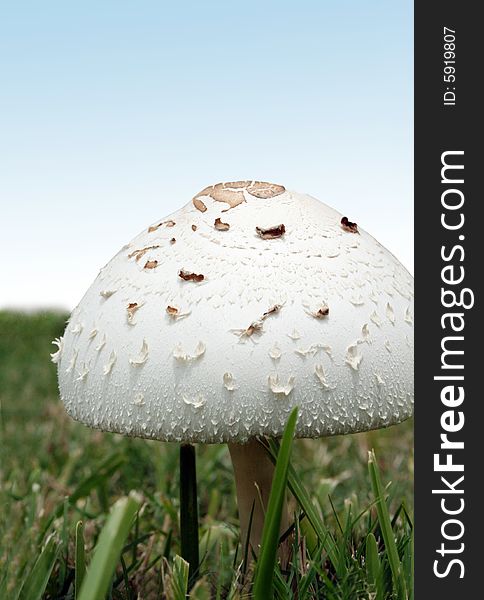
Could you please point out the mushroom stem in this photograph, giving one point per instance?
(253, 471)
(189, 509)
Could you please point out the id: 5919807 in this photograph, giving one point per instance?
(449, 66)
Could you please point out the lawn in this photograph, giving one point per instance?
(55, 472)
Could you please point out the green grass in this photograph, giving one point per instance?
(266, 563)
(353, 533)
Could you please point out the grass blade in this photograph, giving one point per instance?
(106, 553)
(386, 526)
(304, 500)
(34, 586)
(80, 558)
(373, 566)
(103, 471)
(264, 575)
(179, 579)
(408, 565)
(3, 582)
(64, 537)
(307, 579)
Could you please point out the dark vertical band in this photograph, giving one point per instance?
(189, 509)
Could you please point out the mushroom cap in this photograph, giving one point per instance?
(213, 323)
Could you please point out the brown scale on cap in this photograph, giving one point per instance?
(323, 311)
(138, 254)
(169, 223)
(131, 310)
(349, 226)
(232, 192)
(194, 227)
(175, 314)
(172, 241)
(272, 311)
(256, 326)
(218, 224)
(271, 233)
(199, 205)
(190, 276)
(151, 264)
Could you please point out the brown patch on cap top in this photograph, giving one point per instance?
(232, 192)
(236, 184)
(231, 197)
(262, 189)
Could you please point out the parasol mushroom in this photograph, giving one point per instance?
(291, 304)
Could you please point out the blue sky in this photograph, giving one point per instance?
(113, 114)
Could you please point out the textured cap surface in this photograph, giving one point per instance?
(213, 323)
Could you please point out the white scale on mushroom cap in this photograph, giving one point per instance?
(255, 300)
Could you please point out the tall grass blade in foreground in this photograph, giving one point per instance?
(386, 527)
(108, 548)
(315, 521)
(80, 559)
(264, 575)
(34, 586)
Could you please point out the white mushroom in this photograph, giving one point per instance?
(280, 245)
